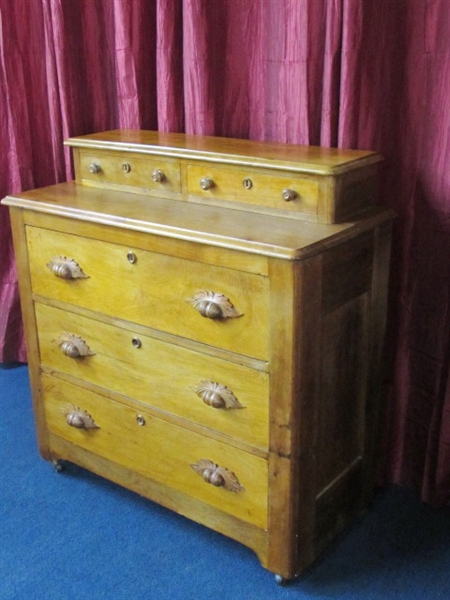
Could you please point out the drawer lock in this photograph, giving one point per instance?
(247, 183)
(131, 257)
(140, 420)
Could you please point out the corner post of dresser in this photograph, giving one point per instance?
(294, 381)
(376, 353)
(18, 228)
(76, 164)
(326, 210)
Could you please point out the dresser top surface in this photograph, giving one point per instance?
(307, 159)
(223, 227)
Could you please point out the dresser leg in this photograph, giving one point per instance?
(58, 465)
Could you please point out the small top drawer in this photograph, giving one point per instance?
(167, 293)
(286, 192)
(130, 170)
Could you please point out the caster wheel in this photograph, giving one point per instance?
(58, 465)
(280, 580)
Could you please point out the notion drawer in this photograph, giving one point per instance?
(129, 170)
(271, 190)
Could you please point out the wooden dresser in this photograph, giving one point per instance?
(205, 321)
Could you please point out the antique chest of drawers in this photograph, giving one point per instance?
(205, 322)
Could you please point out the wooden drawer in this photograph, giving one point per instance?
(154, 290)
(255, 188)
(155, 372)
(128, 169)
(159, 450)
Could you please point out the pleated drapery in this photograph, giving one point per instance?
(369, 74)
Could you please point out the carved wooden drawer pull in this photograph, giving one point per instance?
(213, 306)
(217, 395)
(66, 268)
(80, 419)
(73, 345)
(217, 476)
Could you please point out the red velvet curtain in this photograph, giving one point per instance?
(369, 74)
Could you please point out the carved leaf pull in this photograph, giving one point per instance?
(80, 419)
(217, 395)
(73, 345)
(66, 268)
(217, 476)
(213, 306)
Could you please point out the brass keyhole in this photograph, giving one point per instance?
(247, 183)
(140, 420)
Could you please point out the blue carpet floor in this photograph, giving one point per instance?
(75, 536)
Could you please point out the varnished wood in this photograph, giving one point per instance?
(202, 512)
(146, 373)
(161, 300)
(158, 450)
(30, 328)
(300, 348)
(207, 225)
(335, 184)
(140, 172)
(266, 189)
(305, 159)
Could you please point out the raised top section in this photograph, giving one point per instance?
(306, 159)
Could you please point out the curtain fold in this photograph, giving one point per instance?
(348, 73)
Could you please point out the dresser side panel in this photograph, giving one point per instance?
(30, 327)
(353, 330)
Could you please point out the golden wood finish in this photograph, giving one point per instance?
(303, 159)
(156, 373)
(205, 322)
(334, 184)
(159, 450)
(161, 298)
(102, 168)
(251, 187)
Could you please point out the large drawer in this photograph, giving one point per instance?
(159, 450)
(160, 374)
(153, 289)
(131, 170)
(276, 191)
